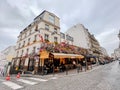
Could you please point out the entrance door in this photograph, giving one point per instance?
(31, 64)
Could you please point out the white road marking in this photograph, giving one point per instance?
(38, 79)
(12, 85)
(27, 81)
(53, 78)
(2, 80)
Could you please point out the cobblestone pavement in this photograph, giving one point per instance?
(104, 77)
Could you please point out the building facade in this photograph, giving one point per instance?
(80, 35)
(83, 38)
(117, 53)
(42, 33)
(95, 46)
(45, 27)
(8, 53)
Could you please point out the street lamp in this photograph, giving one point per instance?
(119, 38)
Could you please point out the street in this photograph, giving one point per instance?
(103, 77)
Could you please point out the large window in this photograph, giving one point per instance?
(17, 53)
(52, 19)
(46, 27)
(46, 37)
(55, 30)
(27, 51)
(22, 52)
(30, 32)
(34, 49)
(28, 41)
(24, 43)
(55, 39)
(35, 38)
(62, 35)
(19, 45)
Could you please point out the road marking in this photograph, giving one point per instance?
(38, 79)
(27, 81)
(12, 85)
(2, 80)
(53, 78)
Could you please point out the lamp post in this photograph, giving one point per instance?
(119, 38)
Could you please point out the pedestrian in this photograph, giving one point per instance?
(1, 72)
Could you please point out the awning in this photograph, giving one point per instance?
(44, 54)
(63, 55)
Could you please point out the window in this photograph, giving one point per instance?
(17, 53)
(52, 19)
(30, 32)
(22, 52)
(24, 43)
(19, 45)
(27, 50)
(35, 37)
(20, 38)
(55, 39)
(28, 41)
(25, 35)
(46, 37)
(34, 49)
(62, 35)
(46, 27)
(55, 30)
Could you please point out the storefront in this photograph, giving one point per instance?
(56, 62)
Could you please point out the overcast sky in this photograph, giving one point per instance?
(100, 17)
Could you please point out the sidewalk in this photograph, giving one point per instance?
(58, 74)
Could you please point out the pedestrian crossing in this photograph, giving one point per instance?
(21, 82)
(27, 81)
(12, 85)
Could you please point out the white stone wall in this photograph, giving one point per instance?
(25, 35)
(81, 39)
(8, 53)
(103, 50)
(117, 53)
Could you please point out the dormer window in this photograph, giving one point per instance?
(52, 19)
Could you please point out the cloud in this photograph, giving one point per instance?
(101, 17)
(108, 39)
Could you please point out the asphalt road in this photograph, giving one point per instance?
(104, 77)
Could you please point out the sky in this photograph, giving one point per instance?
(100, 17)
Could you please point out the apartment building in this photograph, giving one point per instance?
(83, 38)
(45, 27)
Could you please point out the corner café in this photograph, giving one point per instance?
(46, 63)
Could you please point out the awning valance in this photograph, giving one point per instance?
(46, 54)
(63, 55)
